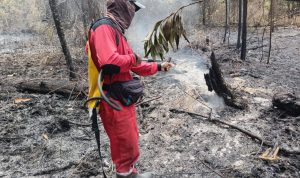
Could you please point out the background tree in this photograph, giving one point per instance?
(244, 30)
(272, 8)
(204, 9)
(240, 9)
(226, 20)
(61, 36)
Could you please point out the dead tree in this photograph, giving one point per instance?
(244, 30)
(204, 6)
(272, 14)
(226, 20)
(271, 28)
(238, 44)
(61, 36)
(229, 19)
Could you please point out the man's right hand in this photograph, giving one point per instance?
(166, 66)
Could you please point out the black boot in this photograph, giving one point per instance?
(135, 175)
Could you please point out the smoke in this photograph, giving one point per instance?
(156, 10)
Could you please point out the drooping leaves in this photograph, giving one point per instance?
(166, 32)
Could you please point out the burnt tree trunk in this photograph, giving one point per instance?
(226, 20)
(215, 81)
(238, 44)
(204, 6)
(272, 14)
(229, 20)
(244, 30)
(271, 28)
(61, 36)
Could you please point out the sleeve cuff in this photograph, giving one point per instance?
(159, 67)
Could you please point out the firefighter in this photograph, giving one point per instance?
(109, 47)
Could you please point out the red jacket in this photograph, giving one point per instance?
(105, 51)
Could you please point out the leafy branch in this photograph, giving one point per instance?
(166, 32)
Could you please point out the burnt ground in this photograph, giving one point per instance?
(50, 136)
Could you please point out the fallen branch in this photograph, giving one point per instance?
(190, 113)
(250, 134)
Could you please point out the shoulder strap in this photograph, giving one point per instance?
(106, 21)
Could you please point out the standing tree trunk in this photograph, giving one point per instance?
(238, 44)
(61, 36)
(204, 6)
(84, 19)
(226, 20)
(244, 30)
(272, 15)
(271, 28)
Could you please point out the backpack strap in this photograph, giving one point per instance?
(106, 21)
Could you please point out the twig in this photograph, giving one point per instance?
(72, 91)
(190, 113)
(143, 102)
(182, 7)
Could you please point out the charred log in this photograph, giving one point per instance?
(64, 88)
(288, 103)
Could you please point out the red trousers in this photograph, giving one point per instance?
(121, 128)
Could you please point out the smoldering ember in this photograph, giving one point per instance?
(150, 88)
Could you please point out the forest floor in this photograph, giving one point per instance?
(49, 135)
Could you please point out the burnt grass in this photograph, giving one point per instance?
(50, 135)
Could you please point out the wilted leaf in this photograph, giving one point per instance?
(45, 137)
(165, 32)
(22, 100)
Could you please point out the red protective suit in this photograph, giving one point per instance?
(121, 126)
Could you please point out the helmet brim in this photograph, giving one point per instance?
(138, 5)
